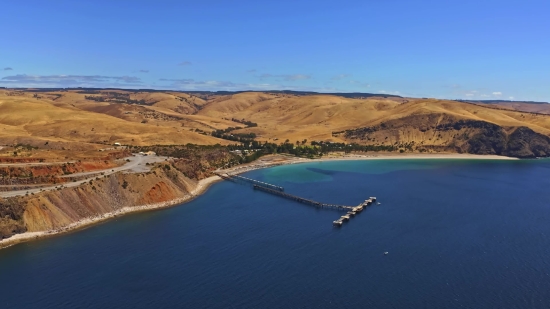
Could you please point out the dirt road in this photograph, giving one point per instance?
(135, 164)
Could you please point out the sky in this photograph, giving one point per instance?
(482, 49)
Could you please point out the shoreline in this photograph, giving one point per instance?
(296, 160)
(201, 187)
(204, 184)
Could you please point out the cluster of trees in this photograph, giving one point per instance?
(115, 97)
(255, 149)
(236, 137)
(249, 124)
(27, 147)
(220, 132)
(252, 149)
(178, 151)
(200, 131)
(326, 147)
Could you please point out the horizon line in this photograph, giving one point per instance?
(372, 94)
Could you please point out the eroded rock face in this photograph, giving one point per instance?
(442, 132)
(57, 209)
(526, 143)
(522, 142)
(52, 210)
(11, 218)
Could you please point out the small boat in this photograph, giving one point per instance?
(386, 253)
(378, 203)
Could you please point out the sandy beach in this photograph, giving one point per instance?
(270, 161)
(416, 156)
(203, 185)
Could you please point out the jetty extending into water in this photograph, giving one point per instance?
(254, 182)
(301, 199)
(355, 210)
(279, 191)
(259, 183)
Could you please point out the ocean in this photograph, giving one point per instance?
(458, 233)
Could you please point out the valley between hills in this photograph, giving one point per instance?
(52, 138)
(84, 120)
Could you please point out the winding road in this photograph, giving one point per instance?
(135, 164)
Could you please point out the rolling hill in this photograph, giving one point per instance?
(530, 107)
(142, 117)
(72, 122)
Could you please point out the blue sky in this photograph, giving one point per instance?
(445, 49)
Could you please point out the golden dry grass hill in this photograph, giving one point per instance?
(532, 107)
(384, 121)
(95, 116)
(45, 134)
(73, 121)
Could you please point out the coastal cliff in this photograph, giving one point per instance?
(167, 183)
(59, 209)
(446, 133)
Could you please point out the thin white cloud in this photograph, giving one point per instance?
(7, 69)
(24, 80)
(390, 92)
(213, 85)
(359, 84)
(471, 94)
(285, 77)
(497, 93)
(340, 76)
(185, 63)
(143, 71)
(297, 77)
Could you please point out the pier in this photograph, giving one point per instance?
(303, 200)
(254, 182)
(352, 211)
(226, 177)
(258, 183)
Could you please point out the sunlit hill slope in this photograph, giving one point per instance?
(85, 118)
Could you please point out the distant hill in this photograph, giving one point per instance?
(297, 93)
(301, 93)
(523, 106)
(501, 102)
(149, 117)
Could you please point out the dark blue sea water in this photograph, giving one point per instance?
(460, 234)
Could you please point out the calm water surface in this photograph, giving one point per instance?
(460, 234)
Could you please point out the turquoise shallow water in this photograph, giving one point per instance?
(460, 234)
